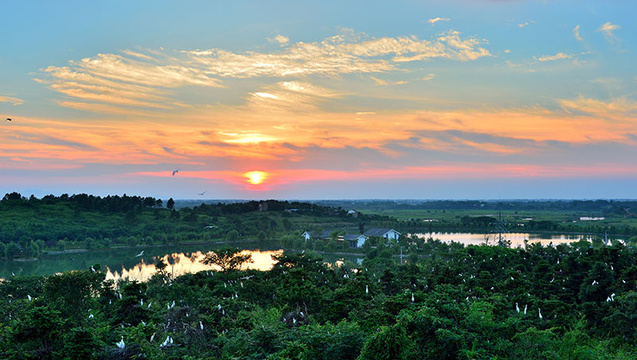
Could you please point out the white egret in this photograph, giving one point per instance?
(166, 342)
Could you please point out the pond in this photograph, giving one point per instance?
(128, 263)
(183, 259)
(517, 239)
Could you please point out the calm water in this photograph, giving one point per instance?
(517, 239)
(124, 263)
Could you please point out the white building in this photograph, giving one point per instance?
(389, 234)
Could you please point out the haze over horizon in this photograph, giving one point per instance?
(461, 99)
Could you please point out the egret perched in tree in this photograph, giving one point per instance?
(539, 313)
(121, 344)
(517, 308)
(166, 342)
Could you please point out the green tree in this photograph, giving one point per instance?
(390, 343)
(71, 293)
(228, 259)
(35, 335)
(11, 251)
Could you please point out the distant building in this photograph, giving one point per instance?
(590, 218)
(389, 234)
(355, 240)
(318, 235)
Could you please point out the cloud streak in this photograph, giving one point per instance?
(435, 20)
(607, 29)
(558, 56)
(12, 100)
(576, 33)
(152, 79)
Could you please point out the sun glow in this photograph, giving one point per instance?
(256, 177)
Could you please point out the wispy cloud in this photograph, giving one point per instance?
(619, 110)
(13, 100)
(577, 34)
(339, 54)
(526, 24)
(435, 20)
(558, 56)
(291, 96)
(150, 79)
(280, 39)
(607, 29)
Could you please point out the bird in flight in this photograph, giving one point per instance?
(201, 193)
(175, 171)
(140, 254)
(8, 119)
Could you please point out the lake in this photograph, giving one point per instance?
(183, 259)
(124, 263)
(517, 239)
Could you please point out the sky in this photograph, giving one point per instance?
(457, 99)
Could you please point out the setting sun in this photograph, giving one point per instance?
(256, 177)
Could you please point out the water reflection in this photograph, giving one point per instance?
(185, 263)
(517, 239)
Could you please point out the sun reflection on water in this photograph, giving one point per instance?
(186, 263)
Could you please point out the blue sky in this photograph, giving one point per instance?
(358, 99)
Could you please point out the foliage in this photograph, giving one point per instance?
(575, 301)
(227, 259)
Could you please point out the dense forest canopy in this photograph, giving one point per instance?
(574, 301)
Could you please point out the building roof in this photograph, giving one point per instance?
(352, 236)
(378, 232)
